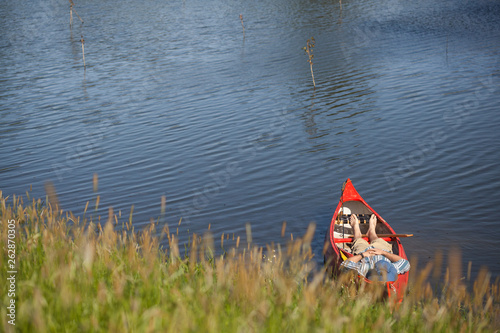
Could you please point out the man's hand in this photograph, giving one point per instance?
(373, 252)
(392, 257)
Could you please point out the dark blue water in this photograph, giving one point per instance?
(175, 101)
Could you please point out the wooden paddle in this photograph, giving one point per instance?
(386, 237)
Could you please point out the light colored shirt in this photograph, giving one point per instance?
(367, 263)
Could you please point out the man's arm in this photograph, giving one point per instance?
(354, 263)
(355, 258)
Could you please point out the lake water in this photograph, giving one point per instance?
(176, 101)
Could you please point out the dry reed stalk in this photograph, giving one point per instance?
(249, 233)
(192, 254)
(207, 246)
(129, 224)
(438, 264)
(111, 214)
(163, 205)
(174, 249)
(242, 25)
(95, 180)
(71, 9)
(83, 51)
(52, 196)
(309, 50)
(455, 266)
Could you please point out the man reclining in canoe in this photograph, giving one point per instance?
(374, 260)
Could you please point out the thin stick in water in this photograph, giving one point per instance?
(309, 50)
(241, 19)
(71, 9)
(83, 51)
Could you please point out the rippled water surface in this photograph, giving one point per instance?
(176, 101)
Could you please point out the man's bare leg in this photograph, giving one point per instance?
(372, 234)
(355, 226)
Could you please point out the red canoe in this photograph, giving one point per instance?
(338, 237)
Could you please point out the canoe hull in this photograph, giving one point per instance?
(336, 252)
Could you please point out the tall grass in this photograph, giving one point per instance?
(76, 276)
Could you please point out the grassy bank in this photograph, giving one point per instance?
(73, 275)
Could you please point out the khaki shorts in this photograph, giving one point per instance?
(360, 245)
